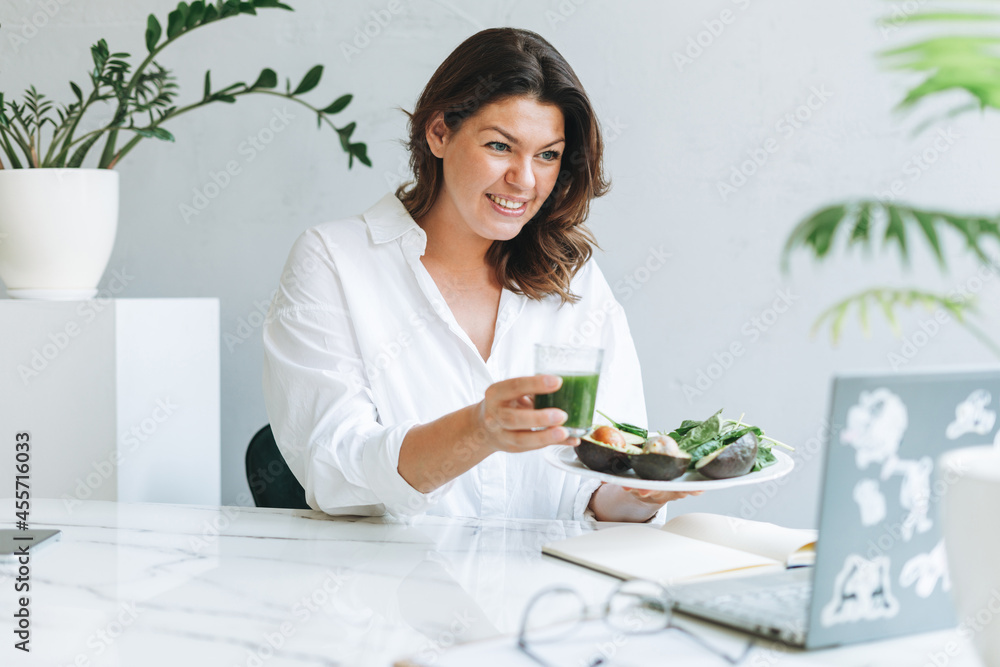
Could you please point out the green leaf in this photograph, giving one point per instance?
(162, 134)
(99, 53)
(345, 135)
(361, 152)
(81, 152)
(222, 97)
(926, 222)
(954, 62)
(196, 13)
(817, 232)
(947, 16)
(704, 449)
(886, 303)
(896, 231)
(176, 21)
(862, 227)
(969, 228)
(704, 431)
(247, 8)
(271, 4)
(338, 105)
(685, 426)
(309, 81)
(765, 457)
(208, 85)
(153, 33)
(211, 14)
(824, 227)
(838, 324)
(268, 79)
(627, 428)
(76, 91)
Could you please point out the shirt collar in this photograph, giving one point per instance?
(388, 219)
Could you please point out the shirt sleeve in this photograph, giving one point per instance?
(318, 398)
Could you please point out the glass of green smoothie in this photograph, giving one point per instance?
(580, 369)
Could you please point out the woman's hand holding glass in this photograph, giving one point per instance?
(507, 414)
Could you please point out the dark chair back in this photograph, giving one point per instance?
(271, 481)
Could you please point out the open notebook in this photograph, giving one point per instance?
(687, 547)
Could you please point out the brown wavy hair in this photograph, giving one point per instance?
(488, 67)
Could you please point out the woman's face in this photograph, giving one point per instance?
(499, 166)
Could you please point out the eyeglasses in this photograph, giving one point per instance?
(634, 607)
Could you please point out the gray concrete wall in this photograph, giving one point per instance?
(686, 94)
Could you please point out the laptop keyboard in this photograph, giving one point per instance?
(757, 603)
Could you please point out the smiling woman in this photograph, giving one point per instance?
(398, 350)
(545, 107)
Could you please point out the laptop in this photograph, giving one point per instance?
(880, 565)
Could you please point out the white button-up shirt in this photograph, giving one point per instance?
(360, 345)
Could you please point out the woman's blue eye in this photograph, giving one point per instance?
(500, 147)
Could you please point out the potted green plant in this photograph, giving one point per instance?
(57, 218)
(947, 63)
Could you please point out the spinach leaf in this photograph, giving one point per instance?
(683, 429)
(701, 433)
(765, 457)
(735, 434)
(626, 428)
(704, 449)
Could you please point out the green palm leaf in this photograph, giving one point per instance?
(818, 232)
(970, 63)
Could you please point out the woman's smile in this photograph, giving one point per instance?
(511, 207)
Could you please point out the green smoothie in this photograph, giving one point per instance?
(576, 397)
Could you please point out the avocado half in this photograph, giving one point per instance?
(735, 459)
(611, 457)
(661, 459)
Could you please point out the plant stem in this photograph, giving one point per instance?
(135, 140)
(68, 141)
(19, 139)
(108, 156)
(14, 162)
(85, 137)
(54, 143)
(778, 443)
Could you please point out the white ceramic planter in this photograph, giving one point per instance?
(972, 540)
(57, 229)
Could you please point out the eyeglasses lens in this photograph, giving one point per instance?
(553, 615)
(639, 606)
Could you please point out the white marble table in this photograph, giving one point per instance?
(154, 584)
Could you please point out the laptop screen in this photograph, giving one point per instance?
(880, 568)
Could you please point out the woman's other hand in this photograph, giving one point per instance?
(659, 498)
(510, 422)
(611, 502)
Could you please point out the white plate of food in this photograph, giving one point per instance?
(564, 458)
